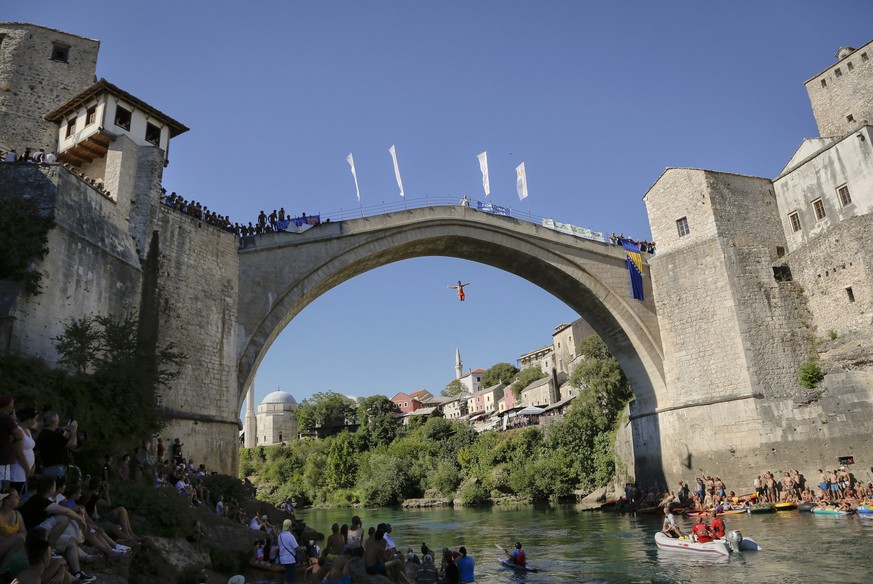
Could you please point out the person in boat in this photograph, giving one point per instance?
(518, 556)
(670, 529)
(717, 526)
(701, 531)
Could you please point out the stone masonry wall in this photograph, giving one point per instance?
(32, 84)
(850, 93)
(91, 269)
(197, 295)
(827, 267)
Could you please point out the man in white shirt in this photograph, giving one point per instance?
(670, 528)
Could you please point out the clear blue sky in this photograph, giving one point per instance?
(596, 98)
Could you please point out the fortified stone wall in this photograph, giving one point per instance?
(733, 336)
(197, 311)
(843, 89)
(836, 273)
(32, 83)
(694, 302)
(91, 268)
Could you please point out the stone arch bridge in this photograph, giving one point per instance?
(281, 273)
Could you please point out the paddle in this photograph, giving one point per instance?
(508, 555)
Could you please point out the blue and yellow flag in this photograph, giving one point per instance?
(634, 267)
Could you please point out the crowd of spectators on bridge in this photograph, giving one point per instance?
(264, 223)
(645, 246)
(40, 157)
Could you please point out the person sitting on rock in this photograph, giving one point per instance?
(98, 506)
(65, 525)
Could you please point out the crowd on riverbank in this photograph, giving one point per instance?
(836, 488)
(353, 550)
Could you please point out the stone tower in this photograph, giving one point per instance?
(251, 423)
(459, 370)
(40, 69)
(842, 95)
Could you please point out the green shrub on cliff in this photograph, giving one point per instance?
(810, 374)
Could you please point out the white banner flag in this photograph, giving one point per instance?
(483, 166)
(351, 162)
(521, 181)
(396, 169)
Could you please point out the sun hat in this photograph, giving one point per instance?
(286, 525)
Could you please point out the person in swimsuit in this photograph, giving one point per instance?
(356, 534)
(336, 543)
(460, 288)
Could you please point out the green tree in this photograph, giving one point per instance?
(499, 373)
(79, 344)
(453, 388)
(325, 410)
(524, 378)
(23, 239)
(385, 481)
(599, 371)
(342, 467)
(377, 418)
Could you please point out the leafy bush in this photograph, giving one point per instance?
(384, 482)
(228, 486)
(166, 513)
(474, 494)
(342, 498)
(445, 478)
(810, 374)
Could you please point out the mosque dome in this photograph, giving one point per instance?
(279, 397)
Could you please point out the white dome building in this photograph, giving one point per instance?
(276, 420)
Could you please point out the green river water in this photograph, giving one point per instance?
(573, 546)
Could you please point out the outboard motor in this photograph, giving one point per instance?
(734, 539)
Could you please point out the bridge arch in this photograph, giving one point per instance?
(282, 273)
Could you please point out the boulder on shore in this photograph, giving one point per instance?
(162, 559)
(594, 499)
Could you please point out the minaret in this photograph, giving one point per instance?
(458, 369)
(251, 425)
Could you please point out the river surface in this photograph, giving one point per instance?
(572, 546)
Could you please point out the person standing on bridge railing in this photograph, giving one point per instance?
(465, 202)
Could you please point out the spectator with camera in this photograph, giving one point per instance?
(54, 444)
